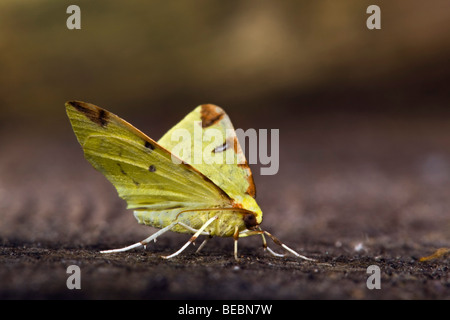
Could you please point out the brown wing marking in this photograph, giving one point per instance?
(251, 190)
(210, 114)
(96, 115)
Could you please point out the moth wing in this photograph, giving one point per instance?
(231, 171)
(140, 169)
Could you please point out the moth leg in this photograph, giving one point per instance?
(236, 238)
(192, 229)
(265, 247)
(264, 241)
(192, 239)
(275, 254)
(278, 242)
(268, 248)
(143, 242)
(203, 243)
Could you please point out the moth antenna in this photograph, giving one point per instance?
(241, 210)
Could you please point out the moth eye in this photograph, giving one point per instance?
(250, 221)
(152, 168)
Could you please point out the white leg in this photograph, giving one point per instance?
(152, 237)
(192, 229)
(192, 239)
(203, 244)
(143, 242)
(265, 247)
(296, 254)
(236, 238)
(274, 253)
(278, 242)
(268, 248)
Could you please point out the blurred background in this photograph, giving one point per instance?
(363, 114)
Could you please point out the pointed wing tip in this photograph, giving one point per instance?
(94, 113)
(73, 103)
(211, 114)
(211, 107)
(80, 105)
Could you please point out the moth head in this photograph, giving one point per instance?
(250, 221)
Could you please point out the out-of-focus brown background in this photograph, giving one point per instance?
(364, 143)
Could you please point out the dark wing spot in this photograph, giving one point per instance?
(148, 145)
(221, 148)
(210, 114)
(152, 168)
(93, 113)
(121, 169)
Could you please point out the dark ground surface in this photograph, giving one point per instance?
(352, 191)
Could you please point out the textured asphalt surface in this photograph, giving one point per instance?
(352, 191)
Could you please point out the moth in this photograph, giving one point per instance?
(173, 192)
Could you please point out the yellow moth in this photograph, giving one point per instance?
(174, 192)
